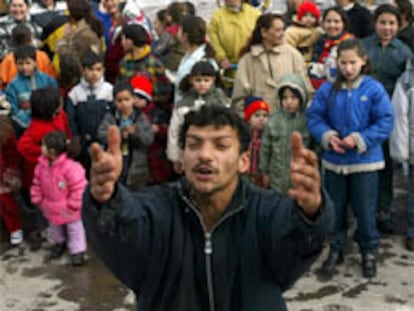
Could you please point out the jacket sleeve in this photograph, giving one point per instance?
(317, 117)
(292, 241)
(242, 84)
(36, 193)
(293, 37)
(399, 140)
(212, 31)
(102, 131)
(143, 135)
(12, 98)
(76, 183)
(122, 233)
(27, 146)
(265, 152)
(70, 111)
(173, 151)
(382, 116)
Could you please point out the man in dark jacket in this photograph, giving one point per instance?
(211, 241)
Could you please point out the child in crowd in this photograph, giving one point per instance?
(402, 139)
(21, 35)
(256, 112)
(47, 116)
(304, 32)
(9, 179)
(199, 88)
(160, 169)
(350, 118)
(274, 161)
(139, 60)
(19, 89)
(388, 57)
(58, 186)
(87, 104)
(136, 133)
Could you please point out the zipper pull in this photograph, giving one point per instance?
(208, 246)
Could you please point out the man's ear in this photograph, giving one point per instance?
(244, 162)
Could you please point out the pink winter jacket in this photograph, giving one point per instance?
(58, 189)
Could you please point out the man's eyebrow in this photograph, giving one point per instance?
(200, 137)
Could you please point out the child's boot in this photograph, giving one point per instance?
(78, 259)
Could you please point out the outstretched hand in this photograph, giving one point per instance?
(106, 166)
(305, 176)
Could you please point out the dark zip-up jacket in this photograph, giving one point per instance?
(155, 242)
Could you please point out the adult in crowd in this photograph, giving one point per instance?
(264, 60)
(406, 31)
(82, 32)
(18, 13)
(228, 30)
(360, 19)
(388, 57)
(211, 240)
(323, 67)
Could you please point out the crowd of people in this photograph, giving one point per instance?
(72, 70)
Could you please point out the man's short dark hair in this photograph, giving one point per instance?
(25, 51)
(217, 116)
(91, 58)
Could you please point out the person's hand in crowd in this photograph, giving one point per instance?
(305, 176)
(106, 166)
(225, 64)
(337, 144)
(349, 142)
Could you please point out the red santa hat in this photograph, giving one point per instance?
(142, 86)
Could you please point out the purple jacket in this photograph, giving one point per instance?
(58, 189)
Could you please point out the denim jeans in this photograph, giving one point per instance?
(360, 190)
(410, 232)
(385, 186)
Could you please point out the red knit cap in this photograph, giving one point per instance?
(253, 104)
(142, 86)
(308, 7)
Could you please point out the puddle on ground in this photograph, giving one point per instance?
(91, 286)
(353, 292)
(321, 292)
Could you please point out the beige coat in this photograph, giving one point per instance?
(303, 39)
(259, 72)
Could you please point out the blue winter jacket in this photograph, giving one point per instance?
(365, 111)
(155, 242)
(22, 86)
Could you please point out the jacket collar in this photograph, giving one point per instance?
(86, 85)
(60, 159)
(356, 84)
(258, 49)
(236, 203)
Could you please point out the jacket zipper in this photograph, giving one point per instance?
(208, 251)
(208, 248)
